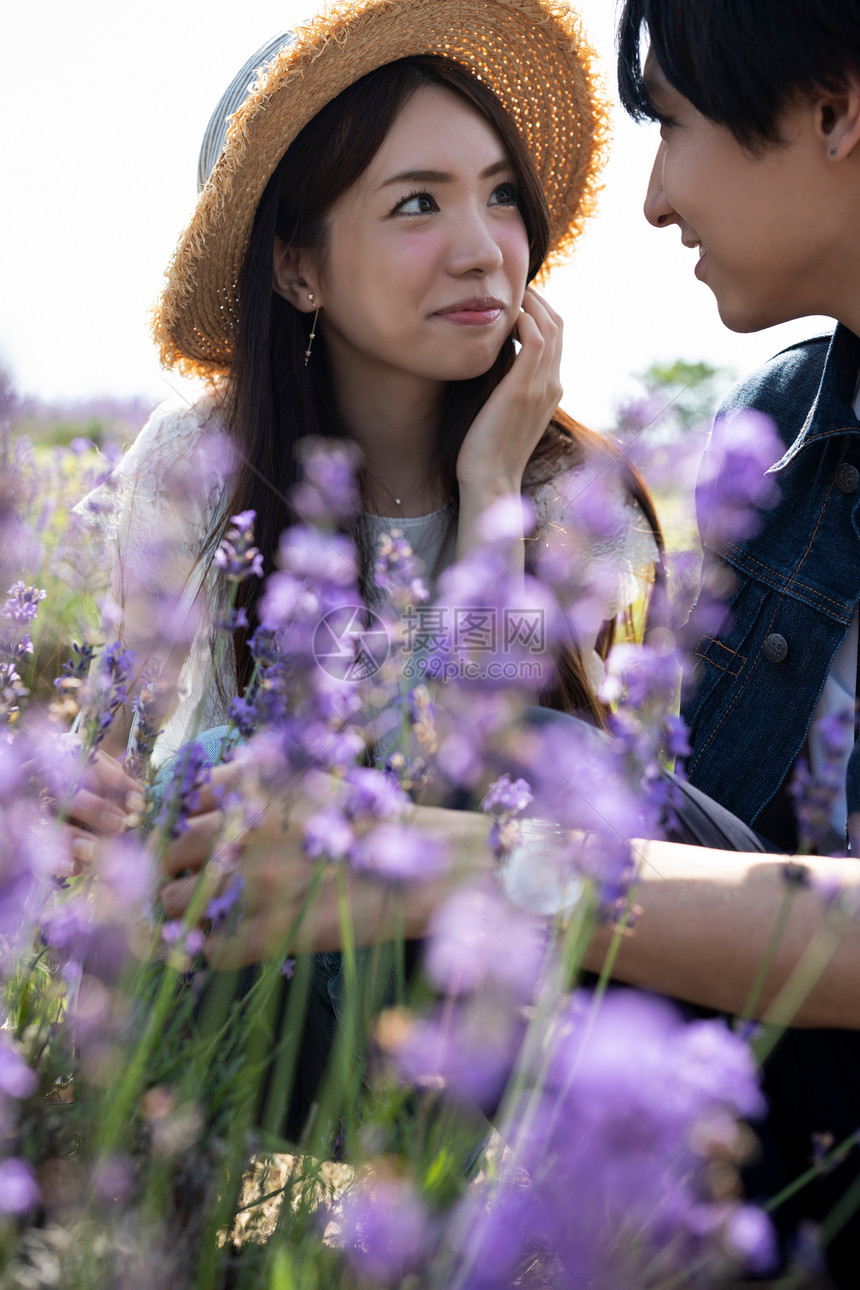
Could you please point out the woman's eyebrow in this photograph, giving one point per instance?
(441, 176)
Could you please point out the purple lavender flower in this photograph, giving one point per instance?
(288, 967)
(22, 603)
(243, 714)
(620, 1136)
(228, 906)
(328, 492)
(148, 711)
(816, 794)
(385, 1229)
(506, 520)
(373, 793)
(396, 571)
(105, 692)
(237, 557)
(16, 1077)
(12, 692)
(171, 932)
(234, 619)
(733, 482)
(327, 834)
(77, 667)
(182, 795)
(397, 853)
(113, 1180)
(322, 558)
(506, 797)
(194, 942)
(469, 1045)
(19, 1190)
(477, 938)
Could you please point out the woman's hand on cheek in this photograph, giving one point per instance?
(508, 428)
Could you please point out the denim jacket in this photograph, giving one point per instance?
(796, 584)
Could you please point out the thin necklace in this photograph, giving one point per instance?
(398, 501)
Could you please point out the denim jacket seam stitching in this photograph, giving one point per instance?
(789, 580)
(728, 671)
(743, 686)
(784, 588)
(717, 641)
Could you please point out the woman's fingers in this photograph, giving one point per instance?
(102, 815)
(177, 896)
(106, 776)
(506, 431)
(192, 848)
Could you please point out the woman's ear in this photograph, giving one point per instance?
(839, 118)
(293, 277)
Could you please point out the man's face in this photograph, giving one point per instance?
(770, 242)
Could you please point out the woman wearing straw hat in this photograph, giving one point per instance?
(377, 192)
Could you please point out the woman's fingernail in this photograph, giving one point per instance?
(135, 803)
(114, 822)
(83, 849)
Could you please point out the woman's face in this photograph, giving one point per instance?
(427, 257)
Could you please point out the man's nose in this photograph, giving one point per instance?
(657, 209)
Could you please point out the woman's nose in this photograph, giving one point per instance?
(476, 249)
(658, 210)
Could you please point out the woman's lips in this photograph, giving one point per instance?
(473, 313)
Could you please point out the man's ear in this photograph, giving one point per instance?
(293, 277)
(838, 113)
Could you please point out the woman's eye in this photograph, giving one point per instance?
(416, 204)
(505, 195)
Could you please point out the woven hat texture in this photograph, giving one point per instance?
(531, 53)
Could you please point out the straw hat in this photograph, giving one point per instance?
(531, 53)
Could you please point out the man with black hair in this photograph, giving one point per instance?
(759, 168)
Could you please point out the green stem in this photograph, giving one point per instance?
(821, 1166)
(132, 1082)
(796, 990)
(766, 963)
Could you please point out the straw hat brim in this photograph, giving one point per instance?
(531, 53)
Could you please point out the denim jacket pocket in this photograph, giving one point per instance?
(715, 652)
(722, 661)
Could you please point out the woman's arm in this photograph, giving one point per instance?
(704, 928)
(279, 878)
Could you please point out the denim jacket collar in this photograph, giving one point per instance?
(832, 412)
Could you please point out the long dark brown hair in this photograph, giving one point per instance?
(272, 399)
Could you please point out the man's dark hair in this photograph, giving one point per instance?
(739, 62)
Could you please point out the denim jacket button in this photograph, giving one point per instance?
(847, 478)
(775, 647)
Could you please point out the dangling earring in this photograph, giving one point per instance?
(313, 330)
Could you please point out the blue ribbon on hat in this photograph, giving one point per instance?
(231, 100)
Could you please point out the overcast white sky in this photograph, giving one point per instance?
(105, 107)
